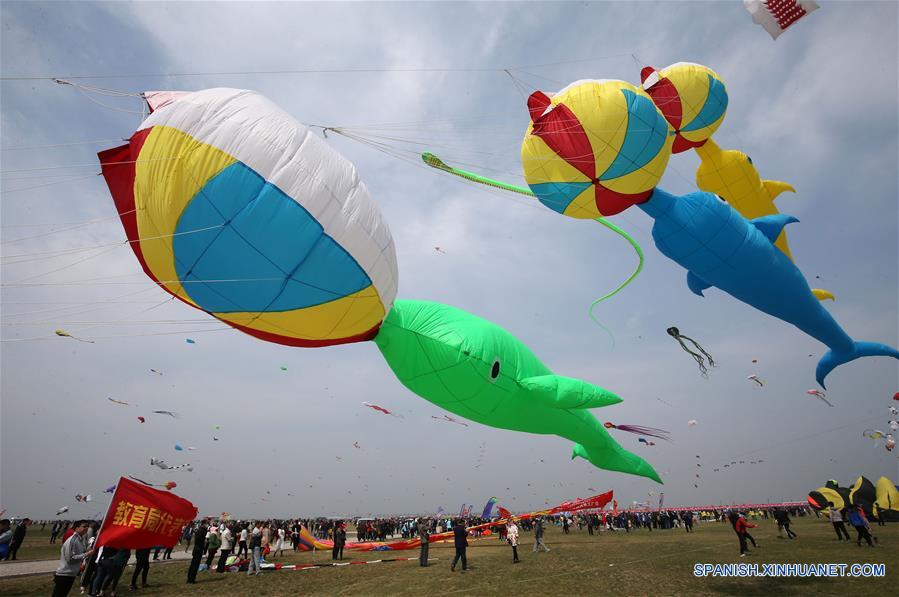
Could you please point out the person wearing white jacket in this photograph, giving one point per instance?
(227, 546)
(512, 538)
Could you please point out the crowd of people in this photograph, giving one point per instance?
(248, 546)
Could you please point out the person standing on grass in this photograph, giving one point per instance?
(18, 536)
(857, 519)
(425, 535)
(141, 568)
(71, 555)
(255, 549)
(5, 539)
(213, 542)
(538, 535)
(242, 543)
(460, 541)
(199, 538)
(836, 518)
(227, 546)
(688, 521)
(741, 528)
(512, 538)
(339, 542)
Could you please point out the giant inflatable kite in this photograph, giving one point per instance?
(693, 99)
(881, 500)
(598, 147)
(233, 207)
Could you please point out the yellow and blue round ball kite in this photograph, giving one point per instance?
(235, 208)
(693, 99)
(594, 148)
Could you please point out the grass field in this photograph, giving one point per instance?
(636, 563)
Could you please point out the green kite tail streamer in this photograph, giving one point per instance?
(435, 162)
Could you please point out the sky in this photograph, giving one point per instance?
(817, 108)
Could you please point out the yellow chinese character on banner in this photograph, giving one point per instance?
(152, 520)
(165, 521)
(176, 526)
(122, 512)
(138, 517)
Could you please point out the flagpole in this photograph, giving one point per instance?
(108, 507)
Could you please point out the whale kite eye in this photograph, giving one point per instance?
(494, 371)
(749, 159)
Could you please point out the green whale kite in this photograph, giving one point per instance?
(477, 370)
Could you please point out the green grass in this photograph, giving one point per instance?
(636, 563)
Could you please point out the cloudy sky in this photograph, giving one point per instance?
(816, 108)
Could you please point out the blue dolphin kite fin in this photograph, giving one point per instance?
(696, 284)
(831, 360)
(772, 226)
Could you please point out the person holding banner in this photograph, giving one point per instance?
(71, 555)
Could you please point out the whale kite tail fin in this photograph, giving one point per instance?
(831, 360)
(617, 459)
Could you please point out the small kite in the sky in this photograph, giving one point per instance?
(873, 433)
(170, 485)
(894, 410)
(338, 458)
(62, 510)
(178, 448)
(692, 422)
(894, 425)
(667, 403)
(283, 367)
(174, 415)
(215, 439)
(190, 341)
(775, 16)
(122, 402)
(83, 498)
(643, 440)
(650, 431)
(142, 420)
(380, 409)
(155, 371)
(450, 419)
(756, 379)
(65, 334)
(896, 396)
(439, 250)
(675, 333)
(357, 446)
(820, 396)
(109, 489)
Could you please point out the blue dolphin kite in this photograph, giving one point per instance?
(719, 247)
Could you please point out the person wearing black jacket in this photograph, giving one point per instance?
(339, 542)
(460, 540)
(198, 552)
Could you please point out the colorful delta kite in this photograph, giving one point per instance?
(775, 16)
(756, 379)
(698, 231)
(235, 208)
(585, 163)
(232, 206)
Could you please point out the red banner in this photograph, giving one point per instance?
(141, 517)
(596, 502)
